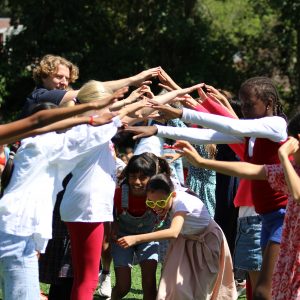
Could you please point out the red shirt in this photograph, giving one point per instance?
(136, 204)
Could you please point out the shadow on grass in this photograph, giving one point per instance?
(132, 291)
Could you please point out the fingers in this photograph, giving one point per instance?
(166, 87)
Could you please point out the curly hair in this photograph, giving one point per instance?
(48, 65)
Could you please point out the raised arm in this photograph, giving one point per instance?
(19, 129)
(291, 177)
(170, 233)
(237, 169)
(136, 80)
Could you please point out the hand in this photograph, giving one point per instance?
(103, 119)
(189, 102)
(167, 81)
(134, 110)
(137, 93)
(141, 131)
(219, 98)
(119, 94)
(127, 241)
(189, 152)
(201, 93)
(290, 147)
(166, 112)
(166, 87)
(171, 157)
(141, 78)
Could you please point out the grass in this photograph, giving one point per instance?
(136, 287)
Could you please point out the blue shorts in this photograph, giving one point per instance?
(247, 254)
(272, 227)
(137, 253)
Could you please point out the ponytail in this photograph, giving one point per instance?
(163, 166)
(9, 167)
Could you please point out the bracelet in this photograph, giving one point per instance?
(91, 120)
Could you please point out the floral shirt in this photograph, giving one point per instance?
(286, 276)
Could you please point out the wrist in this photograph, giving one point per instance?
(91, 120)
(131, 81)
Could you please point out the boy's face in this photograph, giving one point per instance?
(59, 80)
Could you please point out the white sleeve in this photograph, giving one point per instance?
(197, 136)
(272, 128)
(82, 139)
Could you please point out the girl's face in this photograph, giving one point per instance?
(253, 108)
(160, 198)
(137, 183)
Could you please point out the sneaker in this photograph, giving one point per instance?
(104, 289)
(240, 287)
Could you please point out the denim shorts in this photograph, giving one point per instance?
(137, 253)
(247, 254)
(272, 227)
(19, 274)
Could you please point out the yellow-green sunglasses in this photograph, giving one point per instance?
(160, 203)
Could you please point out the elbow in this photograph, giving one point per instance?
(174, 235)
(297, 198)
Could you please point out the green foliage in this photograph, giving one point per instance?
(193, 40)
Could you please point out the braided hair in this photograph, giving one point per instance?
(264, 89)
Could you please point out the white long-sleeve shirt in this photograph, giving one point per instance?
(89, 194)
(225, 130)
(272, 128)
(39, 166)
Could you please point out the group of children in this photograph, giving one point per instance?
(145, 204)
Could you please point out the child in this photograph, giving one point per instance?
(262, 136)
(286, 279)
(132, 216)
(198, 264)
(27, 204)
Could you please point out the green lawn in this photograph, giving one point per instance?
(136, 287)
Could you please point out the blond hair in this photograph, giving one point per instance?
(93, 91)
(48, 66)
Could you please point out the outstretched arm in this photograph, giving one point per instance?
(170, 233)
(291, 177)
(235, 168)
(136, 80)
(20, 129)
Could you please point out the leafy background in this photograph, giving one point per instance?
(194, 41)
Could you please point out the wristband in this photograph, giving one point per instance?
(91, 120)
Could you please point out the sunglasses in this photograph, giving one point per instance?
(160, 203)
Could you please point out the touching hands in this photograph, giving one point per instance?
(142, 78)
(166, 81)
(166, 112)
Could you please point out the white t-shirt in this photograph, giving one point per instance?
(90, 192)
(39, 166)
(197, 216)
